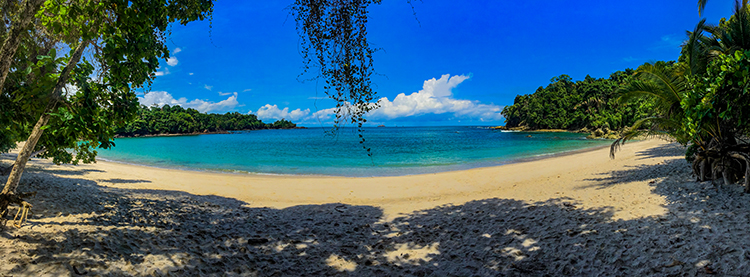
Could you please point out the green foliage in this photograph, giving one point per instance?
(565, 104)
(703, 101)
(176, 120)
(719, 103)
(86, 120)
(663, 86)
(128, 38)
(282, 124)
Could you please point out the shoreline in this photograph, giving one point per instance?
(530, 130)
(453, 168)
(396, 197)
(390, 171)
(580, 214)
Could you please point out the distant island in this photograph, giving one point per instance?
(589, 106)
(175, 120)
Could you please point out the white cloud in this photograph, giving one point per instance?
(172, 61)
(436, 97)
(323, 114)
(161, 98)
(226, 93)
(162, 73)
(273, 112)
(191, 73)
(208, 87)
(246, 90)
(177, 50)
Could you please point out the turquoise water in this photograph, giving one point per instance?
(396, 150)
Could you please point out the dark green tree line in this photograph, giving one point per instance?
(572, 105)
(177, 120)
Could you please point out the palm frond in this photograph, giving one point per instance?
(657, 84)
(695, 47)
(671, 84)
(660, 127)
(701, 6)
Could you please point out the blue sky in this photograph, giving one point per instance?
(456, 63)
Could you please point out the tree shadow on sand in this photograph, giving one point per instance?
(673, 166)
(111, 231)
(657, 152)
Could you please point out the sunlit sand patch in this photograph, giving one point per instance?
(340, 263)
(407, 253)
(513, 252)
(528, 242)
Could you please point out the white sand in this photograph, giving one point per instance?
(581, 214)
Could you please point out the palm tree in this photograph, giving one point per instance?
(730, 36)
(665, 85)
(714, 138)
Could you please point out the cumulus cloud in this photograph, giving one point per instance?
(177, 50)
(208, 87)
(436, 97)
(191, 73)
(161, 73)
(161, 98)
(172, 61)
(435, 101)
(325, 114)
(273, 112)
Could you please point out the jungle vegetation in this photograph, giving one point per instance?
(703, 101)
(177, 120)
(591, 103)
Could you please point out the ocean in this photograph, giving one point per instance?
(314, 151)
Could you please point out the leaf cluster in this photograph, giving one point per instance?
(704, 100)
(567, 104)
(127, 38)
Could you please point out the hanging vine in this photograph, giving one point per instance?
(333, 36)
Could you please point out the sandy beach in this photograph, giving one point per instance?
(582, 214)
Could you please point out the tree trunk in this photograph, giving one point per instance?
(699, 168)
(10, 45)
(36, 133)
(728, 174)
(746, 158)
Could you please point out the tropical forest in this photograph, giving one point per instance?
(177, 120)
